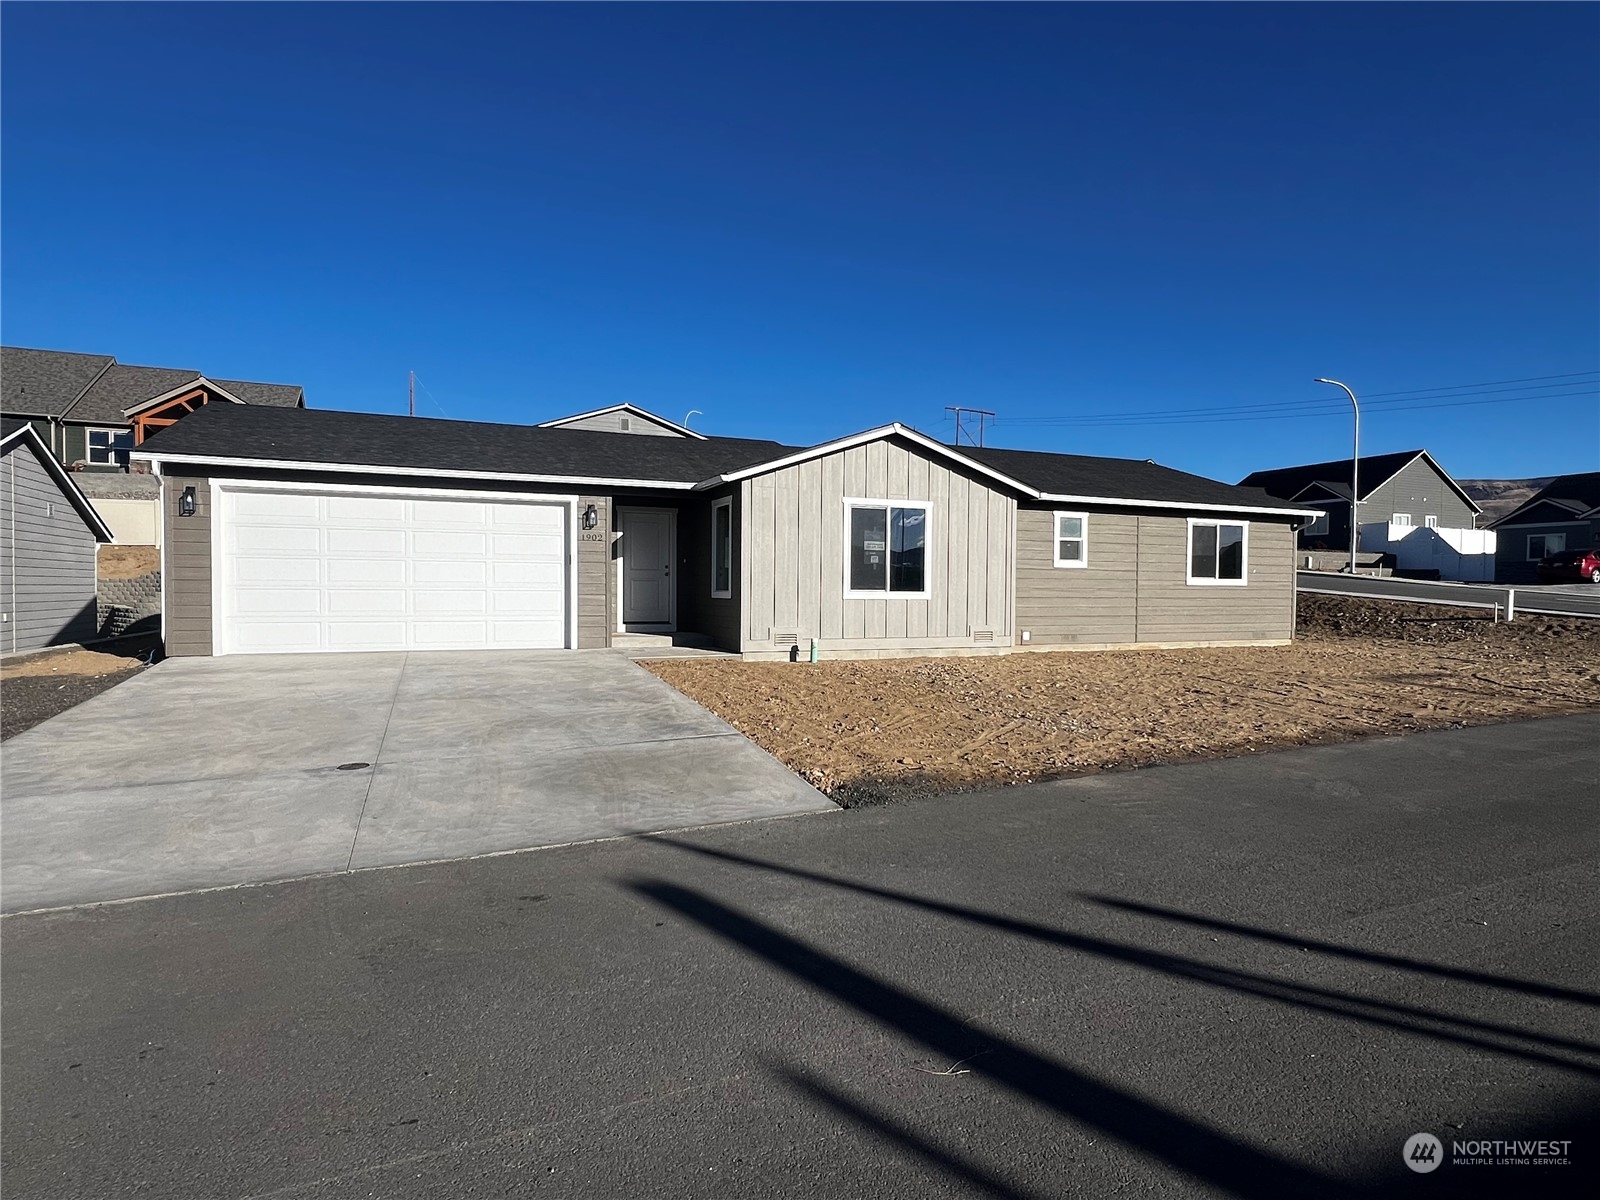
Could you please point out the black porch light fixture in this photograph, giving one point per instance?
(591, 517)
(186, 502)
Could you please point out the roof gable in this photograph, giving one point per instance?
(632, 410)
(1376, 470)
(17, 436)
(1574, 493)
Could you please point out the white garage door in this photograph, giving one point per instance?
(303, 571)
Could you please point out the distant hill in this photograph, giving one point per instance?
(1497, 497)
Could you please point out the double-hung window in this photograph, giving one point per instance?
(110, 447)
(886, 548)
(1542, 545)
(1402, 519)
(1217, 551)
(1072, 540)
(722, 548)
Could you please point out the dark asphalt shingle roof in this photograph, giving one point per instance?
(423, 443)
(120, 388)
(46, 382)
(1289, 482)
(1120, 478)
(1575, 493)
(280, 395)
(420, 443)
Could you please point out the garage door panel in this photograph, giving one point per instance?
(356, 540)
(355, 572)
(366, 508)
(366, 570)
(276, 539)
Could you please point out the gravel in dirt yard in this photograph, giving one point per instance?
(874, 731)
(127, 562)
(39, 686)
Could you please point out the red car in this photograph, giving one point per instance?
(1570, 566)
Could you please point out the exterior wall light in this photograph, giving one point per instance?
(591, 516)
(186, 502)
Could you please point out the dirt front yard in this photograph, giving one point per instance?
(36, 687)
(880, 730)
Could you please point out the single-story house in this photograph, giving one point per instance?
(292, 530)
(1562, 515)
(48, 541)
(1406, 488)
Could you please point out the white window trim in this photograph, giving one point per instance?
(1430, 522)
(726, 593)
(1561, 549)
(1083, 540)
(114, 432)
(1396, 519)
(853, 502)
(1188, 554)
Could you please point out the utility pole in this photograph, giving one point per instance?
(411, 395)
(961, 415)
(1355, 472)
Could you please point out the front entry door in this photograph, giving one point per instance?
(646, 556)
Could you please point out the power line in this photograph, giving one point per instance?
(1487, 383)
(430, 396)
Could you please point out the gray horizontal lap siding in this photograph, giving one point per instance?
(792, 573)
(47, 559)
(1135, 589)
(189, 552)
(1511, 563)
(1421, 491)
(614, 423)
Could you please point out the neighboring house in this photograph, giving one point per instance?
(49, 535)
(1408, 488)
(304, 530)
(1562, 515)
(90, 411)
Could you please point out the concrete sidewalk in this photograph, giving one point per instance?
(209, 772)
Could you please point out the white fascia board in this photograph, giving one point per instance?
(633, 409)
(276, 464)
(859, 439)
(1443, 474)
(1183, 505)
(173, 394)
(63, 480)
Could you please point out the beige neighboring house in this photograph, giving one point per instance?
(289, 530)
(90, 412)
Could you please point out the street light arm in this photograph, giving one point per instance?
(1355, 470)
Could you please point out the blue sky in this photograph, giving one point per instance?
(807, 220)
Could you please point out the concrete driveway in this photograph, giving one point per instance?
(210, 772)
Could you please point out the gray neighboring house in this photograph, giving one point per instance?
(315, 531)
(1562, 515)
(91, 411)
(49, 536)
(1405, 488)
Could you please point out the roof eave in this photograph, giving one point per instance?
(81, 502)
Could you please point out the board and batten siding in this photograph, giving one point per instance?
(1135, 589)
(792, 570)
(188, 557)
(47, 558)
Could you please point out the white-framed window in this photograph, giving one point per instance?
(886, 549)
(1542, 545)
(722, 548)
(1072, 539)
(1317, 525)
(110, 447)
(1431, 522)
(1218, 552)
(1400, 519)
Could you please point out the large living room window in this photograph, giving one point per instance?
(722, 548)
(1217, 551)
(1072, 539)
(110, 447)
(886, 549)
(1541, 545)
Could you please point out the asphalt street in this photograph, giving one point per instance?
(1559, 599)
(1254, 977)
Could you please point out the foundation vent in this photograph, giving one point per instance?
(983, 635)
(782, 637)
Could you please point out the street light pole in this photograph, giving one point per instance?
(1355, 470)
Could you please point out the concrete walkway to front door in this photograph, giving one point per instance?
(211, 772)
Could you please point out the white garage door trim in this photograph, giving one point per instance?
(220, 486)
